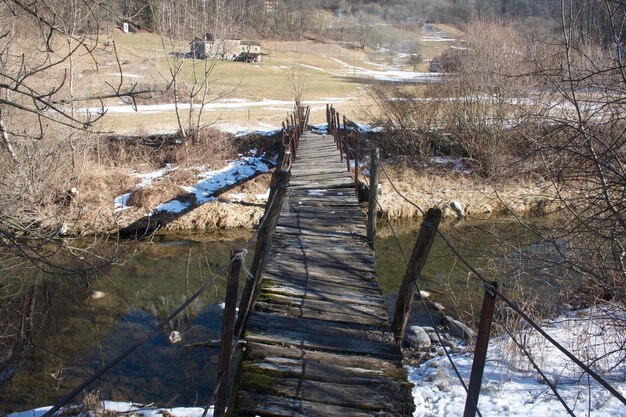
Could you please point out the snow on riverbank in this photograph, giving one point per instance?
(240, 130)
(210, 182)
(127, 409)
(121, 202)
(213, 181)
(511, 387)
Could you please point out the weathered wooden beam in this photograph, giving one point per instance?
(356, 162)
(346, 144)
(226, 348)
(424, 242)
(280, 180)
(372, 208)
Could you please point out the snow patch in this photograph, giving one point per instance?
(448, 161)
(128, 408)
(213, 181)
(121, 202)
(312, 67)
(391, 75)
(511, 387)
(173, 206)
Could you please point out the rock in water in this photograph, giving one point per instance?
(417, 338)
(458, 208)
(95, 295)
(460, 330)
(175, 337)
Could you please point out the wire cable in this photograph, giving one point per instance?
(430, 318)
(514, 306)
(76, 391)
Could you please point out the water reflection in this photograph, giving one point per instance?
(78, 334)
(501, 249)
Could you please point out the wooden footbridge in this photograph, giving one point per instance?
(312, 326)
(317, 342)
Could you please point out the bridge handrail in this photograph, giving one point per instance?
(488, 285)
(334, 127)
(347, 139)
(263, 234)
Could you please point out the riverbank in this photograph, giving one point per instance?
(232, 194)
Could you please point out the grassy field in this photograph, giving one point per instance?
(321, 71)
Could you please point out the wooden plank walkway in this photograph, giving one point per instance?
(318, 342)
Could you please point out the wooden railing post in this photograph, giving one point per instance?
(278, 190)
(226, 346)
(328, 116)
(338, 135)
(424, 242)
(356, 161)
(372, 208)
(480, 352)
(330, 112)
(292, 144)
(346, 145)
(307, 115)
(335, 128)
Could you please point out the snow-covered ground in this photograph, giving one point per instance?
(259, 129)
(394, 75)
(511, 387)
(221, 105)
(127, 409)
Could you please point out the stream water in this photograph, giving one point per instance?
(79, 333)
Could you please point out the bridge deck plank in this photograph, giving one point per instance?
(318, 342)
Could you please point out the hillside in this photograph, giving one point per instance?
(254, 95)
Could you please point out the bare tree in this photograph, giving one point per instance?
(41, 44)
(582, 145)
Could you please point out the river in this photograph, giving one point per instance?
(78, 334)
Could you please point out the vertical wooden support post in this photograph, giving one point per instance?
(296, 142)
(338, 135)
(372, 208)
(424, 242)
(480, 352)
(328, 117)
(356, 162)
(333, 116)
(284, 134)
(336, 127)
(226, 346)
(306, 117)
(278, 190)
(346, 145)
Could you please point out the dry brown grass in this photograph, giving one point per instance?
(438, 187)
(257, 185)
(99, 184)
